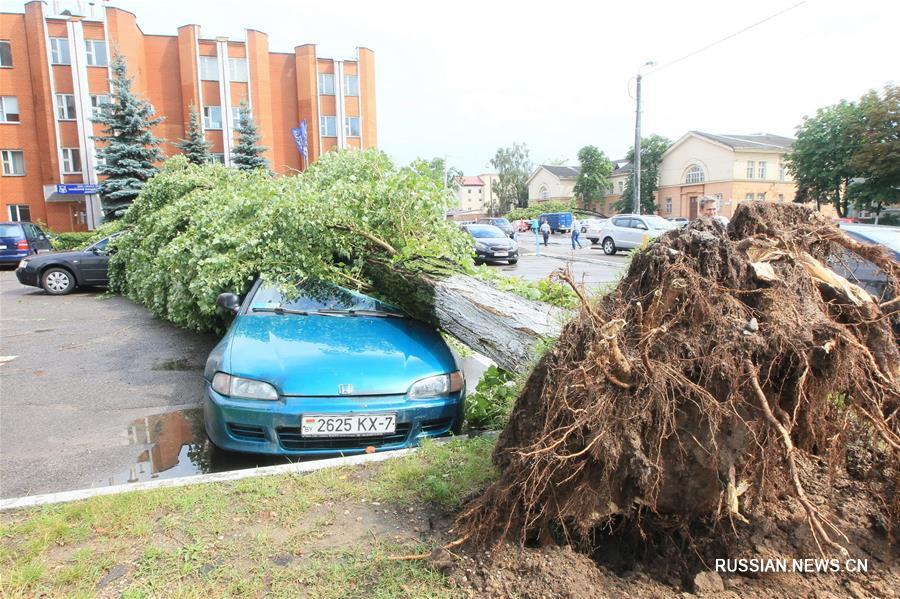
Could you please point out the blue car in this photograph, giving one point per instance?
(18, 240)
(330, 371)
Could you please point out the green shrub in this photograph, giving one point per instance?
(75, 240)
(547, 291)
(491, 403)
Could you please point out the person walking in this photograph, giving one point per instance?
(545, 231)
(576, 235)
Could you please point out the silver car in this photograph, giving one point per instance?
(627, 231)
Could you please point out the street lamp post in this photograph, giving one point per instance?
(636, 200)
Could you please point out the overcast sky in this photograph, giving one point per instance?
(465, 77)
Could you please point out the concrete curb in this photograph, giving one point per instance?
(295, 468)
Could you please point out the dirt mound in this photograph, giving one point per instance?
(697, 391)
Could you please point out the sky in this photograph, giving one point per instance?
(461, 79)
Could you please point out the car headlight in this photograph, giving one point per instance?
(239, 387)
(22, 264)
(480, 245)
(436, 386)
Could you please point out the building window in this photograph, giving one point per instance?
(9, 109)
(237, 69)
(97, 103)
(762, 169)
(19, 213)
(780, 197)
(212, 117)
(760, 196)
(668, 205)
(694, 175)
(351, 85)
(13, 163)
(545, 192)
(748, 196)
(326, 84)
(95, 50)
(750, 168)
(5, 54)
(621, 187)
(470, 191)
(65, 107)
(328, 125)
(59, 50)
(71, 158)
(781, 171)
(351, 126)
(219, 158)
(209, 68)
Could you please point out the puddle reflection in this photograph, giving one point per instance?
(175, 445)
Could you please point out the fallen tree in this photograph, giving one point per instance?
(353, 218)
(722, 363)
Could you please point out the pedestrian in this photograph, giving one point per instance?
(576, 235)
(545, 231)
(709, 208)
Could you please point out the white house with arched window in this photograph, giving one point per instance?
(731, 168)
(550, 182)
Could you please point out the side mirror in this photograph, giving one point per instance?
(229, 302)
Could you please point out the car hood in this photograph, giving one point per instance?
(506, 241)
(313, 355)
(54, 256)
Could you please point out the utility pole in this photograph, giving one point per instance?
(636, 200)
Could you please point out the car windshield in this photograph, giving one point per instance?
(888, 237)
(10, 231)
(658, 223)
(319, 296)
(500, 222)
(485, 232)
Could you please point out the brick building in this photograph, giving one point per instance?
(54, 72)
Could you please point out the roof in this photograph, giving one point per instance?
(470, 181)
(563, 172)
(756, 141)
(626, 167)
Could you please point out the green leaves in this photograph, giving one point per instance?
(593, 178)
(200, 230)
(652, 149)
(513, 167)
(489, 407)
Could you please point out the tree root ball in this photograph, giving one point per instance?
(694, 389)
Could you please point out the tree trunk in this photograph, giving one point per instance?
(500, 325)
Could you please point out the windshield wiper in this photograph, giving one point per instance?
(281, 311)
(375, 313)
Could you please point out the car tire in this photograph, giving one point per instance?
(58, 281)
(609, 246)
(478, 262)
(513, 261)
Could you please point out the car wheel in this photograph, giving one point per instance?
(513, 261)
(58, 281)
(478, 262)
(609, 246)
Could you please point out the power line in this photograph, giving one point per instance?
(726, 38)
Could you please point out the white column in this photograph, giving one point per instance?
(83, 114)
(339, 102)
(225, 98)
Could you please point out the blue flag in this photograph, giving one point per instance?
(300, 140)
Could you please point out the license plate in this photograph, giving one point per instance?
(347, 425)
(498, 254)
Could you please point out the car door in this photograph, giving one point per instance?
(94, 265)
(41, 240)
(640, 232)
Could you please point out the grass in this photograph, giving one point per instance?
(220, 539)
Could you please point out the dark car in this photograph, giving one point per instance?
(60, 273)
(861, 271)
(492, 244)
(501, 223)
(18, 240)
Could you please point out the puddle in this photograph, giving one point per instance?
(174, 444)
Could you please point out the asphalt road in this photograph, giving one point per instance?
(96, 391)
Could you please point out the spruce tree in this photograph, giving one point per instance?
(195, 147)
(246, 154)
(130, 149)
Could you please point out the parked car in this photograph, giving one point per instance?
(18, 240)
(560, 222)
(592, 229)
(328, 371)
(627, 231)
(59, 273)
(501, 223)
(861, 271)
(679, 220)
(492, 244)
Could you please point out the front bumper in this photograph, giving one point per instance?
(28, 276)
(490, 256)
(274, 427)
